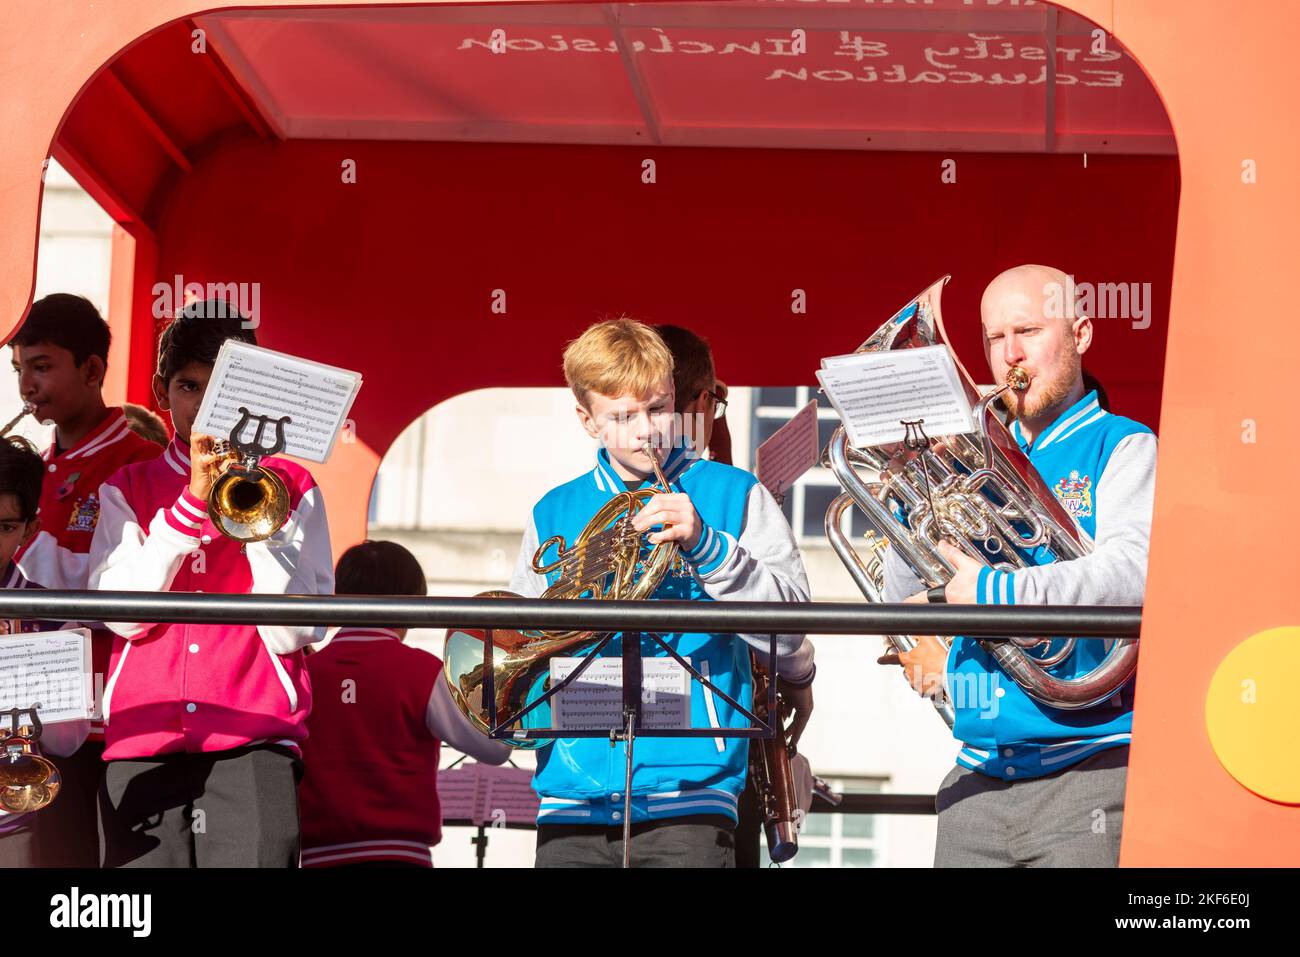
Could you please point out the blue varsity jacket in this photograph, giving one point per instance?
(746, 550)
(1086, 456)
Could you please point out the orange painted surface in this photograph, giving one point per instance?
(121, 290)
(1223, 557)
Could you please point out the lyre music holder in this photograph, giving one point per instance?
(915, 440)
(631, 728)
(254, 450)
(16, 727)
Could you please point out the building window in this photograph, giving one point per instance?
(805, 505)
(841, 840)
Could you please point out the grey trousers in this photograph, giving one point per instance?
(1071, 818)
(18, 848)
(216, 809)
(703, 841)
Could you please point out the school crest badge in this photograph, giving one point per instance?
(1075, 494)
(85, 514)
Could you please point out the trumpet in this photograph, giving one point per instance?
(249, 503)
(28, 781)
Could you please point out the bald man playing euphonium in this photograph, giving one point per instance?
(1035, 785)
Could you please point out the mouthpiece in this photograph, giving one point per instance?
(28, 409)
(654, 461)
(1018, 379)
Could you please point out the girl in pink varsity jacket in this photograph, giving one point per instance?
(203, 722)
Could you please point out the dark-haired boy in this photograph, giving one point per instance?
(203, 721)
(21, 470)
(61, 355)
(366, 678)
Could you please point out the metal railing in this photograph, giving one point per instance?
(990, 622)
(994, 622)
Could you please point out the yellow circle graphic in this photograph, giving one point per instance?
(1252, 714)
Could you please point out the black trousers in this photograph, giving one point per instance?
(699, 841)
(749, 832)
(67, 832)
(235, 808)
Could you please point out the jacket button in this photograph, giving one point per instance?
(54, 468)
(615, 796)
(194, 649)
(1006, 752)
(1011, 772)
(191, 707)
(617, 815)
(206, 539)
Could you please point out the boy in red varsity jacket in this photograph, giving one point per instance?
(369, 793)
(21, 470)
(203, 721)
(61, 356)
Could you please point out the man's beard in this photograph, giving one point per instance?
(1052, 394)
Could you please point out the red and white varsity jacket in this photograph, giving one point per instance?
(58, 557)
(369, 790)
(194, 688)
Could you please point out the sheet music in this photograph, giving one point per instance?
(874, 391)
(791, 451)
(487, 794)
(458, 793)
(49, 668)
(508, 797)
(315, 396)
(595, 701)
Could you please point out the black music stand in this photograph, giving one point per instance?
(631, 728)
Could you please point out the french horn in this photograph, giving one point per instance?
(609, 561)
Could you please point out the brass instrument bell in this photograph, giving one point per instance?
(249, 503)
(28, 781)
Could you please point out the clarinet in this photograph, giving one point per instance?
(769, 767)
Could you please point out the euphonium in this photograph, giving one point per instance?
(28, 782)
(978, 489)
(609, 561)
(249, 503)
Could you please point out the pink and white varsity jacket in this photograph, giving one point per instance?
(194, 688)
